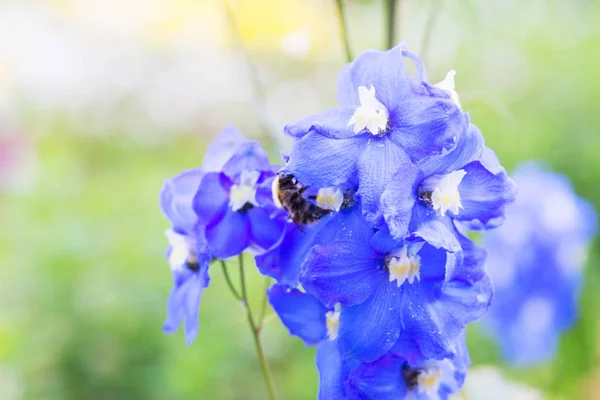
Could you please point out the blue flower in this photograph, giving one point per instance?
(235, 205)
(187, 254)
(385, 118)
(536, 260)
(392, 377)
(391, 289)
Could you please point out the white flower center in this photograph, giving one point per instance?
(448, 85)
(429, 381)
(244, 192)
(180, 249)
(445, 196)
(404, 264)
(330, 199)
(371, 114)
(333, 322)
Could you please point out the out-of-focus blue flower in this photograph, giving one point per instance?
(391, 377)
(385, 119)
(536, 260)
(235, 205)
(391, 289)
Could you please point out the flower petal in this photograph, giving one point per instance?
(230, 236)
(249, 156)
(319, 161)
(370, 329)
(329, 365)
(379, 380)
(436, 230)
(211, 200)
(332, 123)
(398, 199)
(176, 199)
(341, 271)
(265, 231)
(302, 314)
(221, 149)
(377, 164)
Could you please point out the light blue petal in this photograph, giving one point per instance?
(211, 200)
(222, 148)
(436, 230)
(176, 199)
(398, 199)
(332, 123)
(250, 156)
(230, 236)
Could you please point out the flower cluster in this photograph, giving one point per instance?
(390, 280)
(216, 211)
(536, 260)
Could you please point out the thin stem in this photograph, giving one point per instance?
(434, 9)
(263, 308)
(344, 29)
(264, 364)
(390, 13)
(229, 282)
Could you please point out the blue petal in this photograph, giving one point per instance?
(230, 236)
(384, 70)
(436, 230)
(379, 380)
(265, 231)
(425, 126)
(342, 271)
(184, 301)
(398, 199)
(468, 148)
(250, 156)
(370, 329)
(322, 162)
(176, 199)
(332, 123)
(300, 313)
(383, 242)
(483, 195)
(433, 263)
(211, 200)
(222, 148)
(377, 164)
(331, 371)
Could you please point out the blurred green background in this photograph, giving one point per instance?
(100, 102)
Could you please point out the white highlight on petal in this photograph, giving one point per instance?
(433, 375)
(371, 114)
(445, 196)
(330, 198)
(404, 264)
(333, 322)
(245, 191)
(180, 249)
(448, 85)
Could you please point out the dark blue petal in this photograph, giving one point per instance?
(332, 123)
(398, 199)
(342, 271)
(433, 263)
(484, 196)
(331, 371)
(250, 156)
(383, 242)
(265, 231)
(211, 200)
(222, 148)
(370, 329)
(176, 199)
(436, 230)
(425, 126)
(379, 380)
(468, 148)
(322, 162)
(377, 164)
(300, 313)
(230, 236)
(384, 70)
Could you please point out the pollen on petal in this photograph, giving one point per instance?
(404, 264)
(429, 381)
(446, 197)
(333, 322)
(371, 115)
(330, 199)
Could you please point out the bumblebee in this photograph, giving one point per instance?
(288, 194)
(192, 263)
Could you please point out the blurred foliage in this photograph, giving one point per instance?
(83, 282)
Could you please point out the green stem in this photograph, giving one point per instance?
(263, 308)
(344, 29)
(229, 282)
(264, 364)
(390, 13)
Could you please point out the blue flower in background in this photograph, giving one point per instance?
(385, 118)
(391, 289)
(536, 260)
(235, 205)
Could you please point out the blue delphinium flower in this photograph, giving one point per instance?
(391, 289)
(235, 205)
(385, 118)
(536, 260)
